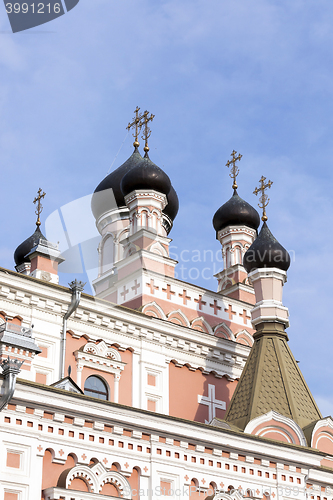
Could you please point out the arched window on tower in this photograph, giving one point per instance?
(96, 388)
(107, 254)
(238, 255)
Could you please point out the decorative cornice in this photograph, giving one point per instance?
(278, 418)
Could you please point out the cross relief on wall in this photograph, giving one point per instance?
(212, 403)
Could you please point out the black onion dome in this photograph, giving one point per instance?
(236, 212)
(266, 251)
(101, 204)
(24, 248)
(171, 210)
(146, 175)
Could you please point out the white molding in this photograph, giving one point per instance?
(226, 328)
(325, 422)
(158, 307)
(116, 325)
(268, 272)
(52, 400)
(247, 335)
(202, 319)
(278, 418)
(181, 314)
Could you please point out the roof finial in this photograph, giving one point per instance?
(263, 200)
(147, 131)
(39, 206)
(234, 170)
(136, 124)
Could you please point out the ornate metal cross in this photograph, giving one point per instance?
(234, 169)
(136, 124)
(146, 132)
(39, 205)
(263, 200)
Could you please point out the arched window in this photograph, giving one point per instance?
(107, 254)
(96, 388)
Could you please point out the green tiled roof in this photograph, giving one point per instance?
(272, 380)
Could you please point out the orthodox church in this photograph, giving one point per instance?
(155, 387)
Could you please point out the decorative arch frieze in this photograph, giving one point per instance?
(159, 249)
(222, 330)
(95, 477)
(202, 325)
(244, 337)
(101, 349)
(322, 435)
(273, 425)
(231, 495)
(153, 309)
(179, 318)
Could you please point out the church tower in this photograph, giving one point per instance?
(272, 397)
(236, 223)
(134, 207)
(36, 256)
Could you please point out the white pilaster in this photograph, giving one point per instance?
(116, 388)
(136, 382)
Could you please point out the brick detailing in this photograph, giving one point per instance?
(200, 302)
(199, 457)
(152, 286)
(168, 291)
(230, 312)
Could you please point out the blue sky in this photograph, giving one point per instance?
(219, 75)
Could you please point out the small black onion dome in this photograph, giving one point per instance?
(171, 210)
(146, 175)
(236, 212)
(24, 248)
(101, 204)
(266, 251)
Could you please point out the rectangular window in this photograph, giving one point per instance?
(44, 352)
(151, 379)
(151, 405)
(166, 488)
(10, 496)
(13, 460)
(41, 378)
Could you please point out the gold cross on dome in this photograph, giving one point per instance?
(146, 131)
(136, 124)
(263, 200)
(39, 205)
(234, 169)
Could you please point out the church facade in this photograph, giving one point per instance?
(155, 387)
